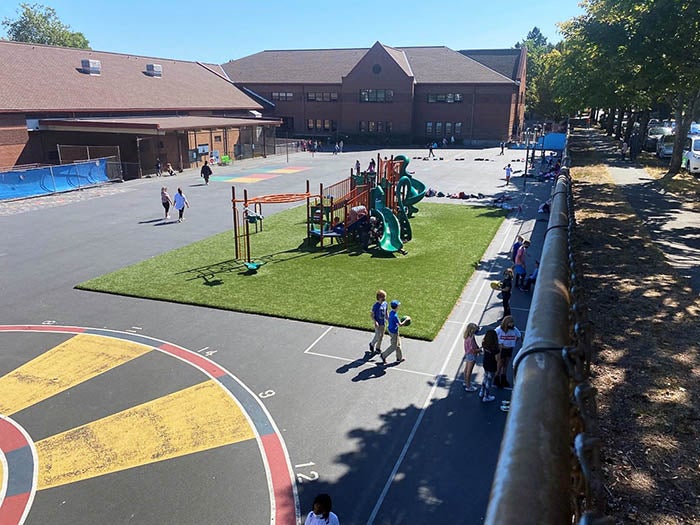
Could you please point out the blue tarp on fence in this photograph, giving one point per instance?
(31, 182)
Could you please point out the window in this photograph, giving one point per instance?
(281, 95)
(217, 138)
(438, 128)
(376, 95)
(326, 125)
(448, 128)
(310, 124)
(428, 128)
(319, 124)
(444, 98)
(325, 96)
(458, 128)
(375, 126)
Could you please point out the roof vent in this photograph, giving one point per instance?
(91, 67)
(154, 70)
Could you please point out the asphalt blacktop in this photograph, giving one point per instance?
(401, 444)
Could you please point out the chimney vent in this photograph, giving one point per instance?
(154, 70)
(91, 67)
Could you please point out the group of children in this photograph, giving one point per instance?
(497, 347)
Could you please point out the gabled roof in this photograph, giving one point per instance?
(444, 65)
(505, 61)
(437, 64)
(305, 66)
(37, 78)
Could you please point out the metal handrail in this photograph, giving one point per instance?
(532, 483)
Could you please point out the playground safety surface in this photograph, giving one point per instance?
(129, 410)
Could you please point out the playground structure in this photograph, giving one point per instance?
(244, 219)
(370, 201)
(380, 202)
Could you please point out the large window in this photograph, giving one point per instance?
(376, 95)
(325, 96)
(280, 95)
(445, 98)
(438, 128)
(458, 128)
(428, 128)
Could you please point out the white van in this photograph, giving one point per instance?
(664, 146)
(691, 154)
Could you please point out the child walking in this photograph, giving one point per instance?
(180, 204)
(378, 315)
(393, 328)
(489, 344)
(471, 350)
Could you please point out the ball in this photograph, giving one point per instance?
(406, 320)
(495, 285)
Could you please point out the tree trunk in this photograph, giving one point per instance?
(685, 106)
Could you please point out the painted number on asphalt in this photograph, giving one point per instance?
(311, 476)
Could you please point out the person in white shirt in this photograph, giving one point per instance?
(508, 337)
(180, 204)
(321, 513)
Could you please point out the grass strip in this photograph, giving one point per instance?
(334, 285)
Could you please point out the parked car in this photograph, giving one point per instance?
(691, 154)
(664, 146)
(653, 135)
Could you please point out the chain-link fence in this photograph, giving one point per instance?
(549, 467)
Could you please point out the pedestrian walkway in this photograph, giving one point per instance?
(673, 225)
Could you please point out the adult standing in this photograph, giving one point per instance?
(159, 170)
(166, 201)
(341, 144)
(206, 172)
(431, 153)
(503, 147)
(180, 204)
(508, 337)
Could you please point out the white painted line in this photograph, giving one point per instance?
(346, 360)
(318, 339)
(431, 394)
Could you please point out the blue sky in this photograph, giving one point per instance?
(217, 30)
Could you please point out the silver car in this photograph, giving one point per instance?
(653, 135)
(664, 146)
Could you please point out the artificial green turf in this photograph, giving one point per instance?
(332, 286)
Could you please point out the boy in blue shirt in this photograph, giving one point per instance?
(393, 328)
(378, 314)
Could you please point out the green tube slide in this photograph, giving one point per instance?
(391, 236)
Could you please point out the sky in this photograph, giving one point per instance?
(217, 31)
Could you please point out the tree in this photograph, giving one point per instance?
(537, 99)
(640, 52)
(39, 24)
